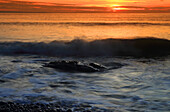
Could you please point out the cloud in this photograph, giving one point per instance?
(26, 6)
(151, 8)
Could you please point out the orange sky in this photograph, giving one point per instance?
(84, 5)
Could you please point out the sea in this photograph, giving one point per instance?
(139, 41)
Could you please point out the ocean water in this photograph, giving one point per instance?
(30, 40)
(47, 27)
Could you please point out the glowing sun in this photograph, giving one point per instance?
(117, 7)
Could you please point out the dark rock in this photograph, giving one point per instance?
(17, 107)
(16, 61)
(2, 103)
(67, 91)
(75, 66)
(54, 85)
(30, 75)
(2, 81)
(69, 110)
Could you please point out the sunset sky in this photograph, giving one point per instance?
(84, 5)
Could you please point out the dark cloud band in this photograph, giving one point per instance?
(25, 6)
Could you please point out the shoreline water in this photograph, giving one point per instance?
(24, 79)
(30, 41)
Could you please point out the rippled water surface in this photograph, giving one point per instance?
(47, 27)
(141, 85)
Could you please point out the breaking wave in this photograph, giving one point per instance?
(85, 23)
(82, 48)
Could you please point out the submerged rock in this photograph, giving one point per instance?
(75, 66)
(50, 107)
(2, 81)
(17, 107)
(16, 61)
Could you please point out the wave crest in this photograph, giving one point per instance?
(106, 47)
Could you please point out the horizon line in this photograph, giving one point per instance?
(85, 12)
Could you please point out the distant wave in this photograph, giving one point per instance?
(84, 23)
(81, 48)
